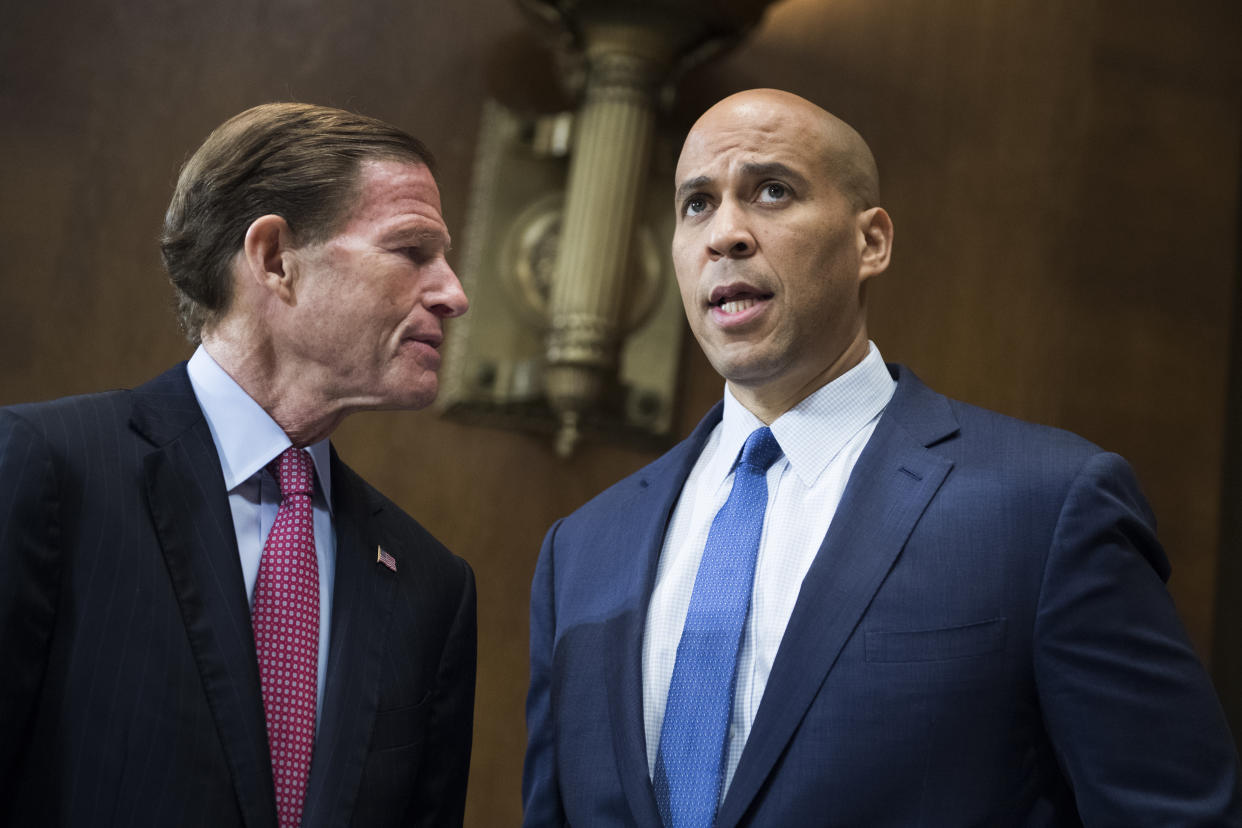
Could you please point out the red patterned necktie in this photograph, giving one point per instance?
(286, 632)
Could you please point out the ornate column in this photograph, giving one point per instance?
(609, 161)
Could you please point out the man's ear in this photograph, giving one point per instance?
(269, 241)
(876, 240)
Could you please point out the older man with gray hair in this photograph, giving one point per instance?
(206, 618)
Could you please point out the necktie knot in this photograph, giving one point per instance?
(294, 472)
(761, 449)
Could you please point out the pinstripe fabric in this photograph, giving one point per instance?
(131, 695)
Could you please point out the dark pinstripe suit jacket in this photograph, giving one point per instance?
(129, 690)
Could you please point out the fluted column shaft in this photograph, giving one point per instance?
(612, 142)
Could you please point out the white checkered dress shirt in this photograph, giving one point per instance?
(821, 438)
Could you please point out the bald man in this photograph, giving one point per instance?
(847, 600)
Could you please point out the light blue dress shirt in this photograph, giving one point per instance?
(821, 439)
(246, 440)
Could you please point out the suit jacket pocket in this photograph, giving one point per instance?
(936, 645)
(400, 726)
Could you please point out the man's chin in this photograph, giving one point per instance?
(410, 395)
(745, 368)
(421, 398)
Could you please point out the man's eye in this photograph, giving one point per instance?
(773, 191)
(694, 206)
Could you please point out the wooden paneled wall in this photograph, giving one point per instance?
(1063, 176)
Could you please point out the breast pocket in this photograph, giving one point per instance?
(400, 726)
(885, 646)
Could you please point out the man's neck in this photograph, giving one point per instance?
(302, 415)
(771, 400)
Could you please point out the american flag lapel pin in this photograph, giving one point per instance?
(384, 558)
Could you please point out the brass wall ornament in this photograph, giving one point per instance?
(576, 324)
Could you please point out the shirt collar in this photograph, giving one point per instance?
(246, 437)
(815, 430)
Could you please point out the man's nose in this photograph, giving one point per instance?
(730, 235)
(447, 299)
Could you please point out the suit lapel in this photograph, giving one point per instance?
(641, 530)
(894, 480)
(361, 605)
(190, 513)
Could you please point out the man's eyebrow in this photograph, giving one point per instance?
(690, 185)
(416, 234)
(773, 169)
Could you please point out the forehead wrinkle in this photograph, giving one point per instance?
(748, 143)
(394, 188)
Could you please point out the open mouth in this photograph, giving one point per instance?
(733, 299)
(738, 305)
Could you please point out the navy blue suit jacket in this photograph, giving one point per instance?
(129, 689)
(983, 639)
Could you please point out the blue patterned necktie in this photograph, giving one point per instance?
(690, 761)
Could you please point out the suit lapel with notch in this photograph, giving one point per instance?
(362, 603)
(190, 513)
(894, 480)
(642, 529)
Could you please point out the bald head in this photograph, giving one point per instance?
(778, 231)
(844, 155)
